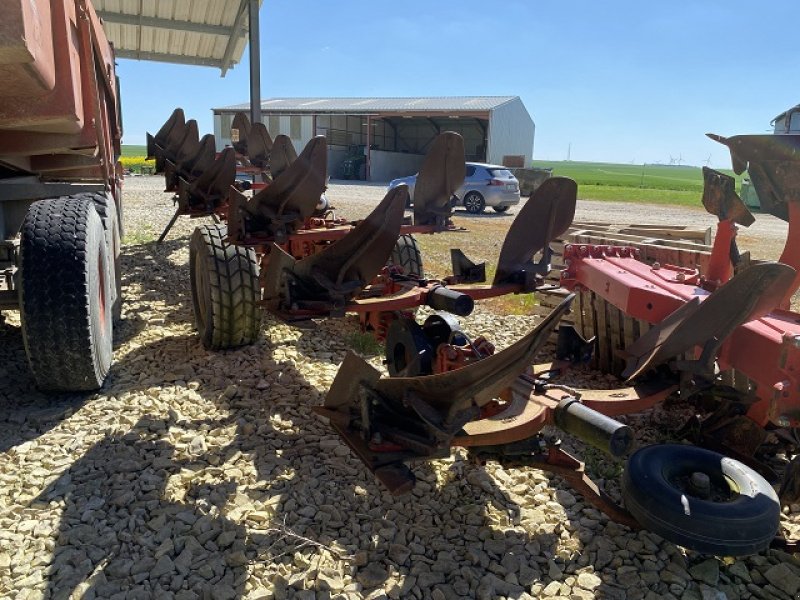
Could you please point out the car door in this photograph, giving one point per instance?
(470, 179)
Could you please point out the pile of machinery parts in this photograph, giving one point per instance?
(692, 496)
(60, 189)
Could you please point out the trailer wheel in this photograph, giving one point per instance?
(406, 254)
(225, 289)
(733, 512)
(106, 207)
(65, 294)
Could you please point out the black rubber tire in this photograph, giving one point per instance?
(109, 214)
(406, 254)
(65, 295)
(225, 289)
(743, 525)
(501, 209)
(474, 203)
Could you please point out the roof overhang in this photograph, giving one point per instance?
(209, 34)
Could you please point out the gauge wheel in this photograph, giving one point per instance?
(225, 289)
(701, 500)
(406, 254)
(474, 203)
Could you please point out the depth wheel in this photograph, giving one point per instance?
(474, 203)
(225, 289)
(406, 254)
(701, 500)
(66, 294)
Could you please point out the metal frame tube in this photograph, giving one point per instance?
(255, 63)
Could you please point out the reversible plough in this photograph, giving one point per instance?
(445, 389)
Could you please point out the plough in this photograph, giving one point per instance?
(445, 390)
(285, 252)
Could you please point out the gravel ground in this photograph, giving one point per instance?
(205, 475)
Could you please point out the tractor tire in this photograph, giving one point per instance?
(109, 214)
(65, 294)
(225, 289)
(729, 523)
(406, 254)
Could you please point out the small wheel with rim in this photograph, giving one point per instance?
(474, 203)
(700, 499)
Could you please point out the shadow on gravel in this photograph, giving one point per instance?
(120, 534)
(25, 412)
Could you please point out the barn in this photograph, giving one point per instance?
(393, 134)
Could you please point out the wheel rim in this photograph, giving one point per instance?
(471, 202)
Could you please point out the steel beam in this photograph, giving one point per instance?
(172, 58)
(255, 62)
(237, 26)
(192, 27)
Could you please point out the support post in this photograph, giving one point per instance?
(255, 63)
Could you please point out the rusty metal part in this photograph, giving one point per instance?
(281, 156)
(546, 215)
(749, 295)
(240, 132)
(441, 174)
(330, 278)
(721, 200)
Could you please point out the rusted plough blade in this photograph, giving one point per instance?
(282, 207)
(420, 416)
(172, 130)
(546, 215)
(211, 188)
(721, 200)
(251, 141)
(750, 295)
(240, 133)
(773, 162)
(282, 156)
(441, 174)
(327, 280)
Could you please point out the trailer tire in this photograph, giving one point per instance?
(65, 294)
(225, 289)
(736, 525)
(406, 254)
(106, 207)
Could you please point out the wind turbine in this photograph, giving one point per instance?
(680, 159)
(708, 160)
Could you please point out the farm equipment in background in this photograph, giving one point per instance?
(60, 189)
(354, 166)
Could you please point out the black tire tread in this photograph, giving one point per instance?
(234, 289)
(55, 301)
(406, 254)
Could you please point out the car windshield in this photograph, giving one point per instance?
(501, 173)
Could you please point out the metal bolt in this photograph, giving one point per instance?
(680, 277)
(656, 266)
(783, 421)
(700, 484)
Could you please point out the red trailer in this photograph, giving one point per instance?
(60, 188)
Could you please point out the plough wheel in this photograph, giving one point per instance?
(701, 500)
(225, 289)
(406, 254)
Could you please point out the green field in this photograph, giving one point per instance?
(660, 184)
(130, 150)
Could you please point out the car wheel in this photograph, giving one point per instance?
(474, 203)
(500, 209)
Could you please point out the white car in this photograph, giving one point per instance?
(484, 185)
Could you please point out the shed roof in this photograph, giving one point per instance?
(461, 104)
(210, 33)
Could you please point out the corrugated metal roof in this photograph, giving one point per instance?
(374, 105)
(197, 32)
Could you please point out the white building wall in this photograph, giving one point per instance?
(511, 132)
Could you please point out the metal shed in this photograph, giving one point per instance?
(394, 133)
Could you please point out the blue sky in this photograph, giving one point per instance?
(617, 81)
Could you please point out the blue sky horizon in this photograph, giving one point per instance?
(604, 82)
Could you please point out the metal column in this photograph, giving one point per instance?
(255, 63)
